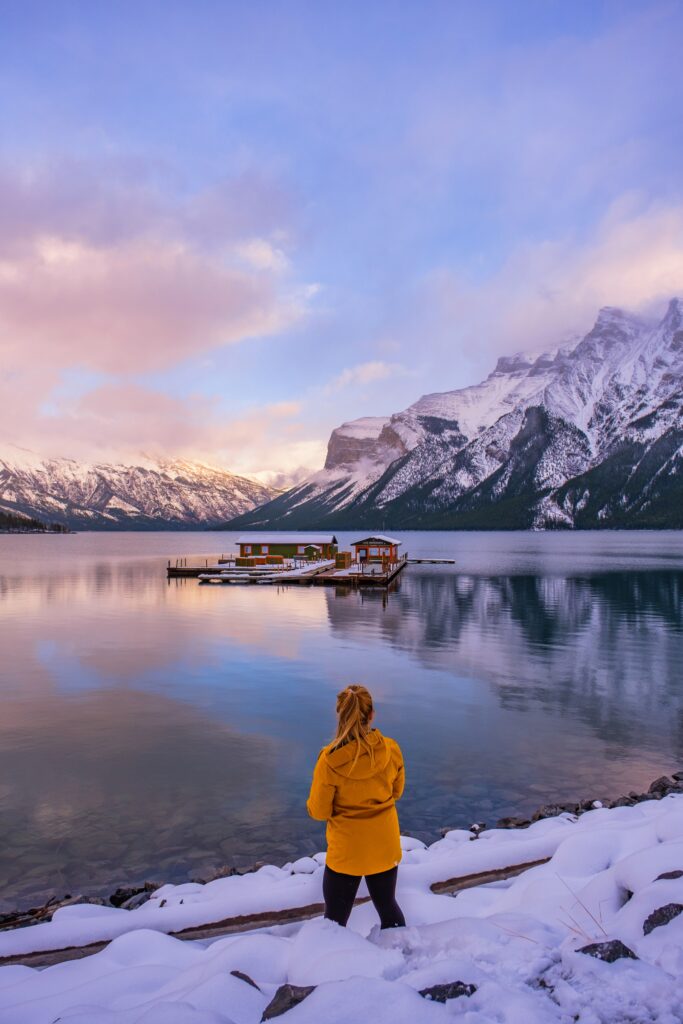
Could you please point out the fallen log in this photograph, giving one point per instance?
(264, 919)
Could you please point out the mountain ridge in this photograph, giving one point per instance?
(584, 435)
(158, 493)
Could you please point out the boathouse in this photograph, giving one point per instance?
(376, 548)
(288, 545)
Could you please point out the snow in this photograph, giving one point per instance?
(382, 538)
(161, 490)
(366, 428)
(287, 538)
(596, 391)
(517, 940)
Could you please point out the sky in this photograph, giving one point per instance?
(227, 227)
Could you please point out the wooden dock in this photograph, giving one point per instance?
(362, 578)
(181, 568)
(224, 571)
(431, 561)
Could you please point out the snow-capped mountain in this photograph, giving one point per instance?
(155, 494)
(589, 434)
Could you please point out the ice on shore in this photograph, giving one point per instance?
(516, 940)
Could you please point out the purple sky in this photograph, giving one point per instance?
(227, 227)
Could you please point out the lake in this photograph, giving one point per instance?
(151, 728)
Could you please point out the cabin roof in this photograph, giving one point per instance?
(376, 538)
(287, 538)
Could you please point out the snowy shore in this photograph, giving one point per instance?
(613, 877)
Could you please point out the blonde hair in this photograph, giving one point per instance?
(354, 711)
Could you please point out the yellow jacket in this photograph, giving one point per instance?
(358, 802)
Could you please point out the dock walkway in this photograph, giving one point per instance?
(225, 571)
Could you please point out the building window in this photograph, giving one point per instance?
(374, 551)
(301, 549)
(247, 549)
(264, 549)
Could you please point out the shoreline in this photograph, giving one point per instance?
(130, 897)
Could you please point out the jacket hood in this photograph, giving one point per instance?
(342, 760)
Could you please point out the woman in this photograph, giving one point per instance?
(357, 780)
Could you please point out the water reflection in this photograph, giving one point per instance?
(605, 648)
(149, 728)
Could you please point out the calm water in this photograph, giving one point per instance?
(150, 728)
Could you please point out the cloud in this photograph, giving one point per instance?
(550, 289)
(262, 255)
(132, 307)
(111, 274)
(117, 421)
(106, 277)
(365, 373)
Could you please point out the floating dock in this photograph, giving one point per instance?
(431, 561)
(224, 571)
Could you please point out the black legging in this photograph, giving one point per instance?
(340, 891)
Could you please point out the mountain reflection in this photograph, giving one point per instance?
(605, 648)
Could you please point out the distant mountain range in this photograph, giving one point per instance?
(588, 435)
(156, 494)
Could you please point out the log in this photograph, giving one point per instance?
(263, 919)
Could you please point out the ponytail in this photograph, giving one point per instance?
(354, 710)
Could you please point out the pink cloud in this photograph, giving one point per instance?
(121, 421)
(100, 268)
(133, 307)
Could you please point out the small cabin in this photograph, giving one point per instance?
(376, 548)
(312, 546)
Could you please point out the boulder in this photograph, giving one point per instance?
(285, 998)
(661, 785)
(552, 810)
(453, 990)
(662, 916)
(125, 893)
(210, 873)
(608, 951)
(669, 875)
(513, 822)
(136, 901)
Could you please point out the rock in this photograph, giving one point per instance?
(608, 951)
(211, 873)
(130, 897)
(252, 867)
(662, 916)
(285, 998)
(476, 828)
(669, 875)
(623, 801)
(661, 785)
(440, 993)
(245, 977)
(551, 811)
(136, 901)
(513, 822)
(678, 776)
(125, 893)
